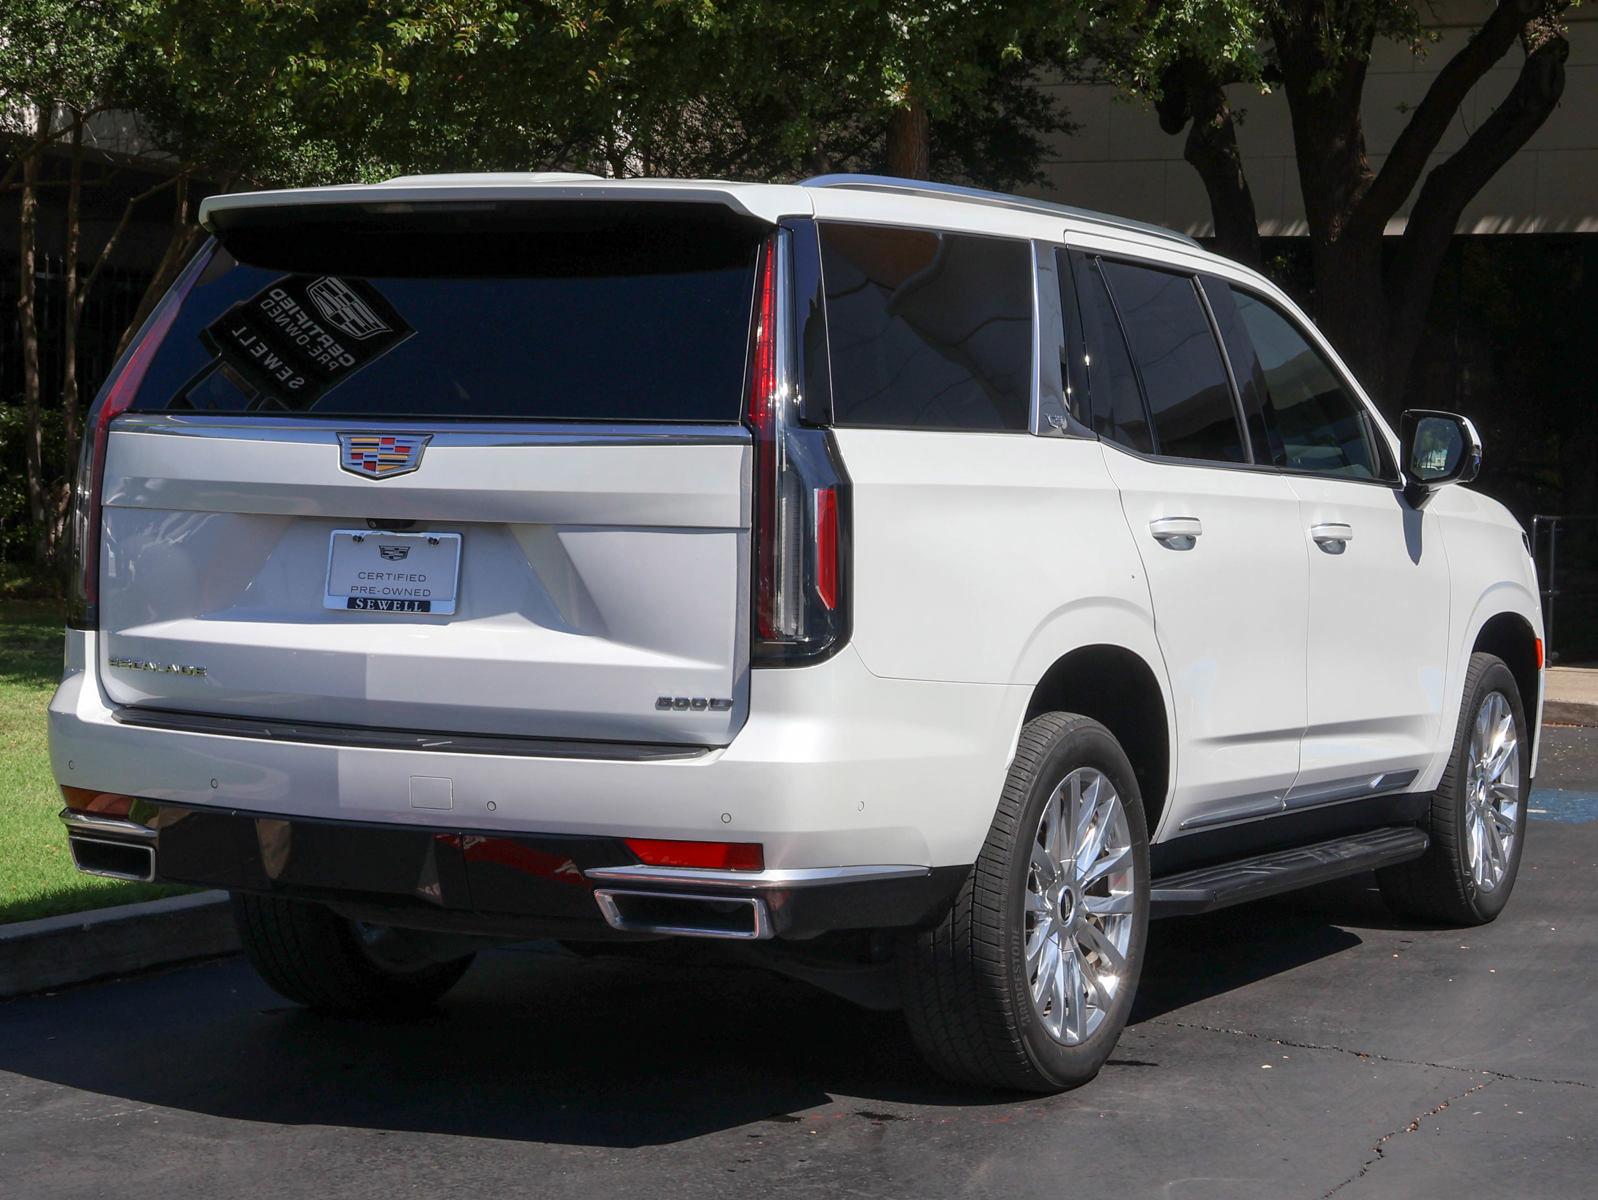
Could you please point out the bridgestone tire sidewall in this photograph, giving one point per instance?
(1084, 746)
(1496, 678)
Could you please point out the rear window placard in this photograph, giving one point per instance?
(303, 335)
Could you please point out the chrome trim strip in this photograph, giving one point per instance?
(760, 918)
(1349, 789)
(1339, 791)
(267, 428)
(91, 823)
(971, 195)
(755, 880)
(1247, 809)
(147, 876)
(312, 733)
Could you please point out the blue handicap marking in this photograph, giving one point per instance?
(1558, 804)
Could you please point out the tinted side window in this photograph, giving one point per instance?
(928, 330)
(1246, 371)
(1318, 425)
(1184, 378)
(1116, 401)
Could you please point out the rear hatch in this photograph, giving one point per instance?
(462, 468)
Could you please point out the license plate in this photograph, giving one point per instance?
(381, 572)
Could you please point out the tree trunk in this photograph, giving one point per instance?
(28, 336)
(74, 301)
(180, 247)
(1453, 183)
(910, 141)
(1194, 93)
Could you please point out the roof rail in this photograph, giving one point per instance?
(954, 191)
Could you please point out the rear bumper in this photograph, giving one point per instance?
(519, 886)
(835, 767)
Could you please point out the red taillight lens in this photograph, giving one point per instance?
(101, 804)
(114, 399)
(800, 512)
(765, 419)
(723, 856)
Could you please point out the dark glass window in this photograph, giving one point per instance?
(928, 330)
(1184, 377)
(1246, 371)
(1116, 401)
(636, 319)
(1316, 424)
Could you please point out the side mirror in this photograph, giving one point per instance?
(1437, 448)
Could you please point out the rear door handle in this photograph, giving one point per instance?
(1178, 533)
(1332, 534)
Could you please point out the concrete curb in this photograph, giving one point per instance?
(1570, 712)
(77, 947)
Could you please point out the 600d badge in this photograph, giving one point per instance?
(692, 704)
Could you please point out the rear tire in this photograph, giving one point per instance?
(309, 954)
(1477, 819)
(1028, 980)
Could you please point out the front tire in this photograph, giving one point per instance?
(1028, 980)
(309, 954)
(1477, 820)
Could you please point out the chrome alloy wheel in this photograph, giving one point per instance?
(1079, 906)
(1492, 791)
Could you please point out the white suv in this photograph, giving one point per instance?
(915, 588)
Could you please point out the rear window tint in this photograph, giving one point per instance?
(620, 321)
(928, 330)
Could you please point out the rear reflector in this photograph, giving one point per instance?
(827, 546)
(1539, 654)
(101, 804)
(721, 856)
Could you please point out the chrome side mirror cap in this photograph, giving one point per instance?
(1437, 448)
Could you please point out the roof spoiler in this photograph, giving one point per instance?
(397, 196)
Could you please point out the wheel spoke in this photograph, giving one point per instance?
(1049, 835)
(1107, 950)
(1069, 816)
(1116, 904)
(1048, 966)
(1098, 992)
(1112, 863)
(1045, 867)
(1076, 1010)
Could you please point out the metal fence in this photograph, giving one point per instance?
(1565, 548)
(110, 308)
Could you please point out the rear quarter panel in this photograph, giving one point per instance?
(985, 558)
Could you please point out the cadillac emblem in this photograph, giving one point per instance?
(381, 455)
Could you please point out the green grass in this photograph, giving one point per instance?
(37, 878)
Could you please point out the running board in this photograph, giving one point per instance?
(1225, 884)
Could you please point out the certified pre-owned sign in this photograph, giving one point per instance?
(382, 572)
(301, 336)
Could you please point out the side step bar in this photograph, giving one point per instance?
(1225, 884)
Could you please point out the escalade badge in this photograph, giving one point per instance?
(381, 455)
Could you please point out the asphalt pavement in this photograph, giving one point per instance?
(1301, 1047)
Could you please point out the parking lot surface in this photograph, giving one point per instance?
(1301, 1047)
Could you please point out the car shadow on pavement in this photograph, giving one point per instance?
(539, 1045)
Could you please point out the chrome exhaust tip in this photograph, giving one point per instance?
(740, 918)
(113, 859)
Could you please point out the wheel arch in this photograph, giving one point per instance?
(1509, 636)
(1119, 689)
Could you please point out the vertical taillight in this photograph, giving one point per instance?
(120, 387)
(800, 491)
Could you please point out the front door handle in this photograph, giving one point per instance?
(1332, 535)
(1179, 533)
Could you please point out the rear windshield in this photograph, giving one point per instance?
(567, 315)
